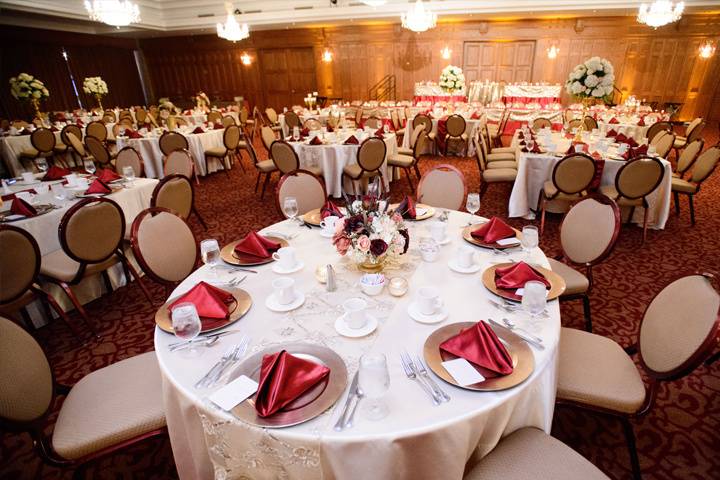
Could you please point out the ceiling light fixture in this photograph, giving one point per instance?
(245, 59)
(232, 30)
(446, 53)
(660, 12)
(118, 13)
(707, 49)
(418, 19)
(553, 51)
(327, 56)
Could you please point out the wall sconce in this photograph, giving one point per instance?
(327, 56)
(245, 59)
(445, 53)
(553, 51)
(707, 49)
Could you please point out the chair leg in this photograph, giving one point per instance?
(692, 210)
(265, 184)
(78, 306)
(200, 219)
(542, 216)
(712, 359)
(586, 311)
(257, 182)
(226, 165)
(50, 300)
(676, 199)
(645, 215)
(106, 279)
(408, 174)
(483, 188)
(417, 171)
(632, 449)
(137, 278)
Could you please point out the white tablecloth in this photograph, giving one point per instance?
(470, 126)
(321, 117)
(416, 440)
(532, 91)
(633, 130)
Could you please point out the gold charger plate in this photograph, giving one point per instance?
(242, 304)
(41, 209)
(429, 211)
(228, 254)
(311, 404)
(467, 236)
(557, 284)
(522, 357)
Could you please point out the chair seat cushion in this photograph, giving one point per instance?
(680, 185)
(500, 175)
(403, 161)
(29, 153)
(502, 164)
(216, 152)
(405, 151)
(61, 267)
(499, 157)
(266, 166)
(503, 150)
(612, 192)
(680, 142)
(354, 171)
(109, 406)
(596, 371)
(276, 128)
(575, 282)
(60, 148)
(530, 454)
(551, 191)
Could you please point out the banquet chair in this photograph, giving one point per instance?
(272, 117)
(43, 143)
(286, 158)
(175, 192)
(496, 136)
(397, 125)
(179, 162)
(181, 122)
(455, 126)
(129, 157)
(91, 234)
(414, 135)
(110, 114)
(140, 116)
(358, 117)
(268, 137)
(226, 153)
(531, 454)
(227, 120)
(214, 117)
(125, 114)
(590, 123)
(505, 174)
(305, 186)
(373, 122)
(171, 141)
(96, 129)
(702, 169)
(443, 186)
(635, 180)
(679, 329)
(588, 234)
(264, 167)
(663, 144)
(77, 146)
(573, 124)
(104, 412)
(691, 134)
(503, 159)
(568, 115)
(656, 128)
(688, 157)
(425, 121)
(312, 124)
(291, 121)
(19, 269)
(100, 154)
(370, 158)
(492, 150)
(540, 123)
(108, 118)
(410, 162)
(571, 177)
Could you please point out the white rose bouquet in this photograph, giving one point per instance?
(452, 79)
(25, 87)
(594, 78)
(96, 87)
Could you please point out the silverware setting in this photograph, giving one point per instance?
(284, 236)
(199, 340)
(529, 340)
(355, 394)
(242, 269)
(412, 374)
(422, 370)
(512, 326)
(229, 358)
(508, 307)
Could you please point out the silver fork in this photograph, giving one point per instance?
(420, 367)
(410, 373)
(229, 353)
(240, 353)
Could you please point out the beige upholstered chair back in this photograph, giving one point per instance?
(96, 129)
(540, 123)
(291, 120)
(692, 125)
(171, 141)
(164, 245)
(129, 157)
(442, 187)
(140, 115)
(19, 262)
(77, 131)
(664, 144)
(333, 120)
(251, 150)
(590, 123)
(421, 145)
(76, 143)
(214, 117)
(590, 229)
(415, 134)
(305, 187)
(705, 164)
(677, 323)
(268, 137)
(568, 115)
(272, 115)
(574, 123)
(656, 128)
(480, 152)
(174, 193)
(180, 121)
(98, 150)
(92, 230)
(688, 155)
(231, 137)
(285, 158)
(371, 154)
(312, 124)
(639, 177)
(111, 114)
(422, 119)
(696, 132)
(243, 116)
(43, 140)
(657, 137)
(573, 173)
(179, 162)
(373, 122)
(26, 383)
(358, 116)
(228, 120)
(395, 119)
(455, 125)
(125, 114)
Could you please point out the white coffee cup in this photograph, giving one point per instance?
(464, 256)
(328, 224)
(284, 290)
(28, 177)
(355, 316)
(285, 258)
(429, 301)
(71, 179)
(437, 231)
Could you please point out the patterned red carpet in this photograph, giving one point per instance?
(678, 440)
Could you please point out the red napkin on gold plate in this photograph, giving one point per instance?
(21, 207)
(256, 246)
(98, 186)
(304, 132)
(493, 231)
(55, 173)
(613, 121)
(406, 208)
(316, 141)
(517, 275)
(132, 134)
(351, 140)
(641, 122)
(218, 126)
(283, 379)
(611, 133)
(210, 302)
(480, 346)
(107, 175)
(330, 210)
(198, 130)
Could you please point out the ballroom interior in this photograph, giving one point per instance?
(350, 239)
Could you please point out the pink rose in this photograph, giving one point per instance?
(364, 243)
(397, 218)
(339, 225)
(342, 245)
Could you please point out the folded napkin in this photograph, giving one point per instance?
(218, 126)
(611, 133)
(330, 210)
(621, 138)
(351, 140)
(256, 246)
(132, 133)
(98, 186)
(613, 121)
(407, 208)
(380, 133)
(571, 149)
(635, 152)
(211, 303)
(480, 346)
(316, 141)
(521, 134)
(493, 231)
(80, 123)
(21, 207)
(631, 141)
(329, 129)
(198, 130)
(107, 175)
(53, 129)
(304, 132)
(475, 116)
(55, 173)
(517, 275)
(283, 379)
(535, 149)
(641, 122)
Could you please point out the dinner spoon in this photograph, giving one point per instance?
(205, 343)
(512, 326)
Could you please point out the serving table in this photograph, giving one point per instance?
(433, 93)
(416, 439)
(528, 93)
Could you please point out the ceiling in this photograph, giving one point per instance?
(173, 17)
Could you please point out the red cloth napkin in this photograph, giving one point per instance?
(621, 138)
(611, 133)
(380, 133)
(198, 130)
(80, 123)
(480, 346)
(98, 186)
(329, 129)
(641, 122)
(493, 231)
(132, 133)
(211, 303)
(21, 207)
(351, 140)
(107, 175)
(330, 210)
(613, 121)
(304, 132)
(316, 141)
(283, 379)
(571, 149)
(535, 149)
(53, 129)
(475, 116)
(218, 126)
(407, 208)
(634, 152)
(256, 245)
(517, 275)
(599, 167)
(55, 173)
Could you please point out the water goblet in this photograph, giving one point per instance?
(210, 252)
(59, 193)
(89, 166)
(534, 299)
(129, 174)
(374, 381)
(472, 205)
(290, 207)
(530, 239)
(186, 325)
(42, 165)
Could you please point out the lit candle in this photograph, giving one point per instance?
(321, 273)
(397, 286)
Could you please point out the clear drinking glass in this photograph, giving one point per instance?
(59, 193)
(530, 239)
(290, 207)
(472, 205)
(186, 325)
(210, 252)
(42, 165)
(89, 166)
(534, 298)
(374, 381)
(129, 174)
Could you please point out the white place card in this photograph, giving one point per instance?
(234, 393)
(508, 241)
(463, 372)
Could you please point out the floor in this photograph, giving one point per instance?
(678, 440)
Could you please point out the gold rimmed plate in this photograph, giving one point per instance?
(41, 209)
(467, 236)
(308, 406)
(238, 309)
(557, 284)
(229, 255)
(429, 211)
(522, 358)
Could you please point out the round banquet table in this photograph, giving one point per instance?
(416, 440)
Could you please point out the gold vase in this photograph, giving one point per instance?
(587, 101)
(36, 107)
(373, 265)
(99, 100)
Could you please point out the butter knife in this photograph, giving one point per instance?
(340, 424)
(202, 338)
(529, 340)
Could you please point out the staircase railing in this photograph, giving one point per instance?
(383, 90)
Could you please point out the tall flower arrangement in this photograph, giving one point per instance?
(97, 87)
(452, 79)
(592, 79)
(27, 88)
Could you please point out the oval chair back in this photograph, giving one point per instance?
(312, 124)
(77, 131)
(110, 114)
(590, 229)
(639, 177)
(442, 187)
(98, 150)
(140, 115)
(292, 120)
(696, 132)
(422, 119)
(228, 120)
(75, 143)
(43, 140)
(656, 128)
(272, 115)
(284, 156)
(416, 134)
(705, 164)
(92, 230)
(692, 126)
(455, 125)
(373, 122)
(395, 119)
(174, 192)
(214, 117)
(590, 123)
(179, 162)
(129, 157)
(540, 123)
(268, 137)
(664, 144)
(574, 123)
(96, 129)
(573, 173)
(19, 262)
(171, 141)
(689, 155)
(371, 154)
(308, 189)
(231, 137)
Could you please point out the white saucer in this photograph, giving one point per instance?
(416, 315)
(326, 235)
(475, 267)
(342, 328)
(278, 269)
(273, 305)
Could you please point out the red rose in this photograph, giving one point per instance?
(378, 247)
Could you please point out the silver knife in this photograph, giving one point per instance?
(339, 425)
(202, 338)
(529, 340)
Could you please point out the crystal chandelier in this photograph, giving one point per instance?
(418, 19)
(118, 13)
(660, 12)
(232, 30)
(707, 49)
(553, 51)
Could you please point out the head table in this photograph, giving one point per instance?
(416, 439)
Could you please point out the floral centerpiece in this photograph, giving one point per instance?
(25, 87)
(452, 79)
(202, 102)
(96, 87)
(592, 79)
(370, 234)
